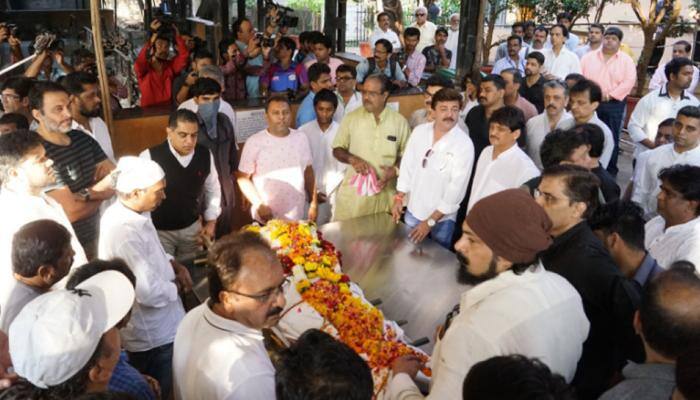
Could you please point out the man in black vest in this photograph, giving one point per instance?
(216, 133)
(193, 194)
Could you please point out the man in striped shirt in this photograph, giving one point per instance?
(81, 167)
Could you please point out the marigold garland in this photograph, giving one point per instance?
(315, 265)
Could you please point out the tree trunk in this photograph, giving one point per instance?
(493, 14)
(643, 63)
(478, 54)
(599, 11)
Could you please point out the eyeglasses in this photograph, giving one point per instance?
(7, 96)
(425, 157)
(420, 15)
(548, 198)
(343, 78)
(265, 298)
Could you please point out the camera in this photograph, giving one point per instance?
(264, 42)
(285, 15)
(12, 29)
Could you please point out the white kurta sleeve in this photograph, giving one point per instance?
(212, 193)
(638, 121)
(407, 166)
(152, 289)
(256, 387)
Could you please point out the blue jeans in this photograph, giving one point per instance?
(441, 232)
(157, 363)
(611, 113)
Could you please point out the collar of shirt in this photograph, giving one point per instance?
(130, 216)
(647, 270)
(680, 228)
(503, 281)
(665, 93)
(511, 150)
(87, 129)
(229, 325)
(183, 160)
(567, 236)
(317, 127)
(650, 371)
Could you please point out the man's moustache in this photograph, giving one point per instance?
(275, 312)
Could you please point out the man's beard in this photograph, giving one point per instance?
(55, 127)
(467, 278)
(90, 114)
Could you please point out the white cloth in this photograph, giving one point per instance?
(562, 65)
(509, 170)
(389, 35)
(18, 209)
(224, 108)
(157, 311)
(536, 314)
(98, 130)
(538, 127)
(451, 45)
(353, 104)
(329, 172)
(647, 188)
(659, 79)
(212, 188)
(217, 358)
(651, 110)
(427, 35)
(609, 143)
(441, 183)
(680, 242)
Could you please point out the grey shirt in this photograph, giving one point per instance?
(17, 298)
(644, 382)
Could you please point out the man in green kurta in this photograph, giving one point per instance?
(372, 137)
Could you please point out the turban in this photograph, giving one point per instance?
(135, 173)
(512, 224)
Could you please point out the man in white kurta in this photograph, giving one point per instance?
(126, 232)
(25, 174)
(554, 117)
(502, 165)
(528, 310)
(559, 61)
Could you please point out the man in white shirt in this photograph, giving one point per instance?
(539, 39)
(346, 82)
(502, 165)
(328, 171)
(674, 235)
(453, 39)
(187, 216)
(565, 19)
(85, 108)
(513, 59)
(662, 103)
(126, 232)
(219, 348)
(515, 306)
(427, 29)
(555, 116)
(559, 61)
(423, 115)
(681, 49)
(595, 40)
(585, 97)
(517, 29)
(384, 31)
(435, 170)
(685, 149)
(25, 171)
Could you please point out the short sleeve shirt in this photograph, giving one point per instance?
(277, 165)
(280, 80)
(74, 166)
(432, 56)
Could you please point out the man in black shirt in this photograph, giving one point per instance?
(569, 195)
(491, 91)
(595, 138)
(82, 169)
(532, 88)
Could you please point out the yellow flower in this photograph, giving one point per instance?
(298, 260)
(310, 266)
(303, 285)
(344, 288)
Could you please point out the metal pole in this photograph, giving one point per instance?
(100, 61)
(17, 64)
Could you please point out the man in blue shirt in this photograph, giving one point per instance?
(319, 78)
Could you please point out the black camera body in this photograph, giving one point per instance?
(285, 15)
(265, 42)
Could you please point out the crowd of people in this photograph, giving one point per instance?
(579, 287)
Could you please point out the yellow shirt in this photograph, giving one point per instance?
(380, 144)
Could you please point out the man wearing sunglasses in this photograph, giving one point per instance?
(435, 170)
(427, 29)
(219, 349)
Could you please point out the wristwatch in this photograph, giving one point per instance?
(431, 222)
(85, 194)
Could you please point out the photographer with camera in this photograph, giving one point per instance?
(8, 32)
(250, 45)
(232, 66)
(285, 75)
(48, 49)
(155, 71)
(181, 84)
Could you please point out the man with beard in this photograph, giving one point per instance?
(410, 59)
(681, 49)
(154, 69)
(85, 107)
(82, 169)
(437, 55)
(216, 134)
(556, 97)
(539, 40)
(219, 346)
(595, 40)
(532, 88)
(513, 59)
(515, 306)
(128, 233)
(492, 89)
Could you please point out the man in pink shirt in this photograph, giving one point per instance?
(512, 97)
(323, 46)
(275, 172)
(616, 74)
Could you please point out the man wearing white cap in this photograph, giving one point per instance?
(25, 171)
(127, 232)
(65, 343)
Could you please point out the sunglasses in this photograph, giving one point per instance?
(420, 15)
(425, 158)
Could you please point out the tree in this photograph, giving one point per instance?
(547, 10)
(494, 9)
(656, 24)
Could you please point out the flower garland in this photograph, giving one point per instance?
(315, 265)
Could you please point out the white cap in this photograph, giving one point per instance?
(54, 335)
(137, 173)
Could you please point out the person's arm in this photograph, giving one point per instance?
(212, 199)
(626, 298)
(34, 68)
(628, 81)
(445, 56)
(183, 92)
(608, 146)
(259, 208)
(638, 121)
(429, 66)
(183, 54)
(362, 70)
(141, 65)
(75, 207)
(60, 60)
(658, 79)
(644, 188)
(311, 193)
(15, 49)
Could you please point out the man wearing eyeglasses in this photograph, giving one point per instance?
(15, 96)
(427, 29)
(219, 349)
(435, 170)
